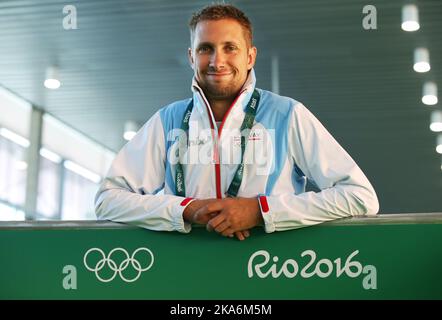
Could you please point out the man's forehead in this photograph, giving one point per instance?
(223, 30)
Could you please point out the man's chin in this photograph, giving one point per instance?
(221, 92)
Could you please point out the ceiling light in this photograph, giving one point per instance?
(52, 80)
(429, 93)
(85, 173)
(130, 130)
(14, 137)
(410, 18)
(439, 144)
(50, 155)
(436, 121)
(421, 60)
(21, 165)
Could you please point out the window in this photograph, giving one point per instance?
(13, 169)
(66, 189)
(10, 213)
(48, 200)
(78, 196)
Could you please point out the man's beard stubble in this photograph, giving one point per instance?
(225, 92)
(221, 93)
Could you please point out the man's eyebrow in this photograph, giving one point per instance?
(202, 44)
(210, 44)
(231, 42)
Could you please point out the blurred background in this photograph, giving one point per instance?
(75, 76)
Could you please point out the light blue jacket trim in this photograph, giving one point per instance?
(171, 118)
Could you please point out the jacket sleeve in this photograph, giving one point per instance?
(128, 193)
(345, 190)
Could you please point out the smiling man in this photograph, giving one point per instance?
(221, 57)
(233, 156)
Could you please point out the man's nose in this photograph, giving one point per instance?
(217, 59)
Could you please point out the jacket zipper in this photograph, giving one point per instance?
(216, 147)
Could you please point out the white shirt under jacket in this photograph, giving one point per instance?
(286, 146)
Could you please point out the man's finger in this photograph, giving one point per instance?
(246, 233)
(222, 226)
(239, 235)
(208, 225)
(214, 222)
(228, 232)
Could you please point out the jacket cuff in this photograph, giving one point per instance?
(178, 221)
(269, 225)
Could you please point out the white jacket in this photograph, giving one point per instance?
(286, 146)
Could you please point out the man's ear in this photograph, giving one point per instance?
(190, 56)
(251, 57)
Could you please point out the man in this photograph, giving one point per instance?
(233, 157)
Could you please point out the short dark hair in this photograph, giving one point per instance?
(222, 11)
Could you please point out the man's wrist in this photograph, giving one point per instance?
(189, 211)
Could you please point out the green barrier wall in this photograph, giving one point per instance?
(385, 257)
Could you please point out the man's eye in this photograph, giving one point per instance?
(203, 49)
(231, 48)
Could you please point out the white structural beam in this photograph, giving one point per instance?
(275, 74)
(33, 160)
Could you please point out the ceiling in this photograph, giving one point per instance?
(128, 58)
